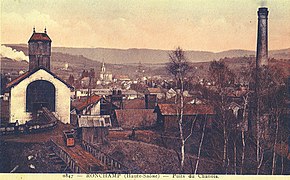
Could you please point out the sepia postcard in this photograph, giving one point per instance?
(132, 89)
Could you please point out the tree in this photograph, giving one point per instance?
(200, 144)
(180, 69)
(271, 95)
(251, 143)
(222, 78)
(71, 79)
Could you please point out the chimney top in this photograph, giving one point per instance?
(263, 11)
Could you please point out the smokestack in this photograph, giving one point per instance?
(262, 38)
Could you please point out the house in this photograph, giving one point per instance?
(236, 109)
(94, 106)
(135, 118)
(168, 115)
(38, 87)
(85, 81)
(170, 93)
(88, 105)
(152, 95)
(91, 119)
(156, 91)
(130, 94)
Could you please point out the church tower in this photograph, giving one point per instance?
(103, 69)
(39, 46)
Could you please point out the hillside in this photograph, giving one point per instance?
(77, 63)
(78, 60)
(152, 56)
(125, 56)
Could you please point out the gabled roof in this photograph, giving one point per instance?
(129, 118)
(232, 105)
(39, 37)
(189, 109)
(154, 90)
(134, 104)
(28, 74)
(17, 80)
(84, 102)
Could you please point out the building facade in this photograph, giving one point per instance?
(38, 87)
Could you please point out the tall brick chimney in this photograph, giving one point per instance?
(262, 38)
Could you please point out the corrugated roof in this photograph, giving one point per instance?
(93, 121)
(129, 118)
(84, 102)
(39, 37)
(189, 109)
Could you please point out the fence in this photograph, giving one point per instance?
(69, 161)
(11, 128)
(113, 166)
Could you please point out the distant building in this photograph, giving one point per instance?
(105, 76)
(152, 95)
(170, 93)
(122, 78)
(85, 82)
(127, 94)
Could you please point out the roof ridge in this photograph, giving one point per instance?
(29, 73)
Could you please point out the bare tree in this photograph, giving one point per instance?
(222, 78)
(276, 109)
(200, 145)
(269, 107)
(180, 69)
(245, 107)
(246, 76)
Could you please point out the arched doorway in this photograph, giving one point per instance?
(40, 94)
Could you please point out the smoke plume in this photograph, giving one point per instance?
(13, 54)
(263, 3)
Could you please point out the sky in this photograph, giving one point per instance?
(206, 25)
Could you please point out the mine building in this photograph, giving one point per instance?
(38, 87)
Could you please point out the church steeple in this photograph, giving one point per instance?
(103, 70)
